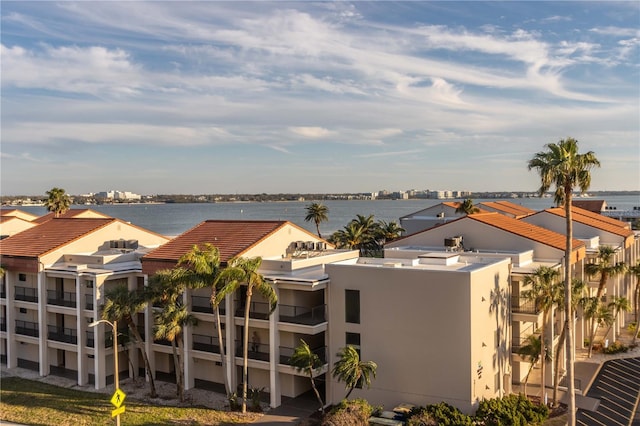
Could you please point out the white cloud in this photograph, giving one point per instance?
(311, 132)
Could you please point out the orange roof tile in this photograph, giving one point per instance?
(71, 213)
(598, 221)
(41, 239)
(231, 237)
(508, 207)
(595, 206)
(526, 230)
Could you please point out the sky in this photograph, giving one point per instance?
(216, 97)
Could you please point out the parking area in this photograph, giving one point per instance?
(617, 386)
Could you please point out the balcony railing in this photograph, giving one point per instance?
(206, 343)
(524, 306)
(27, 328)
(287, 352)
(259, 351)
(62, 334)
(303, 315)
(108, 339)
(257, 310)
(88, 302)
(163, 342)
(203, 304)
(26, 294)
(65, 298)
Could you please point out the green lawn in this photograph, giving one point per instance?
(36, 403)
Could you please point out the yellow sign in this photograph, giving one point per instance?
(118, 398)
(117, 411)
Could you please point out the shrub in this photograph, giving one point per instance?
(354, 412)
(615, 348)
(511, 410)
(438, 414)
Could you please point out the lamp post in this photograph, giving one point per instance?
(114, 325)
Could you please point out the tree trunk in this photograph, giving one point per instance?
(592, 334)
(147, 365)
(216, 316)
(315, 390)
(594, 326)
(571, 391)
(543, 358)
(526, 379)
(181, 364)
(349, 393)
(245, 349)
(176, 366)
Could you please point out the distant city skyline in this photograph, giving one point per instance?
(326, 97)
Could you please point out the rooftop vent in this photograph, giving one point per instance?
(453, 243)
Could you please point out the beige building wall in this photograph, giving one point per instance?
(429, 329)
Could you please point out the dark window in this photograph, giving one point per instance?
(23, 310)
(352, 306)
(353, 339)
(22, 277)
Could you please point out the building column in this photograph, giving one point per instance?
(81, 326)
(275, 395)
(148, 335)
(230, 336)
(187, 341)
(99, 350)
(12, 352)
(42, 323)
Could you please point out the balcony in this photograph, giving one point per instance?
(26, 294)
(108, 339)
(61, 298)
(3, 324)
(206, 343)
(203, 304)
(286, 353)
(521, 305)
(62, 334)
(27, 328)
(257, 310)
(163, 342)
(3, 292)
(303, 315)
(258, 351)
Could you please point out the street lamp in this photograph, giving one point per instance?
(114, 325)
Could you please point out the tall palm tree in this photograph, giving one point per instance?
(352, 236)
(204, 269)
(635, 271)
(563, 167)
(544, 291)
(122, 305)
(318, 213)
(598, 314)
(304, 360)
(244, 270)
(618, 304)
(467, 207)
(578, 288)
(57, 201)
(605, 268)
(352, 371)
(170, 323)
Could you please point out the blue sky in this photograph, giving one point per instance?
(252, 97)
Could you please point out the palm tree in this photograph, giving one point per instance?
(467, 207)
(57, 201)
(318, 213)
(618, 304)
(544, 291)
(578, 288)
(304, 360)
(562, 166)
(603, 267)
(353, 372)
(246, 271)
(531, 352)
(205, 271)
(386, 232)
(598, 314)
(170, 323)
(351, 237)
(123, 305)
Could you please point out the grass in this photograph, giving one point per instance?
(35, 403)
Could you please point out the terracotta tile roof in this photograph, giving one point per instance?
(18, 213)
(508, 207)
(526, 230)
(49, 236)
(231, 237)
(71, 213)
(595, 220)
(595, 206)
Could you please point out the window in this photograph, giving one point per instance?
(352, 306)
(89, 283)
(22, 277)
(353, 339)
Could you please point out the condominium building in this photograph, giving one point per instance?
(56, 276)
